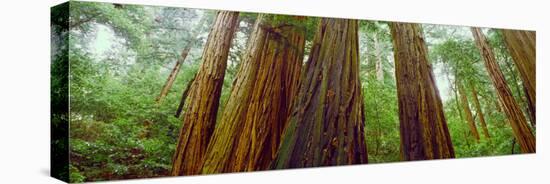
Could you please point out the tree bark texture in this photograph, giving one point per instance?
(522, 100)
(522, 48)
(467, 110)
(479, 112)
(184, 52)
(203, 98)
(326, 126)
(423, 127)
(249, 133)
(517, 120)
(184, 97)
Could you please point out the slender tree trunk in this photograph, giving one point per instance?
(521, 130)
(184, 52)
(184, 97)
(497, 109)
(454, 88)
(467, 110)
(423, 128)
(367, 51)
(458, 103)
(522, 48)
(378, 126)
(327, 122)
(379, 72)
(479, 112)
(251, 126)
(498, 106)
(378, 133)
(523, 100)
(531, 107)
(202, 103)
(458, 107)
(379, 66)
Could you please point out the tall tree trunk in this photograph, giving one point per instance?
(531, 107)
(522, 48)
(379, 72)
(479, 112)
(367, 51)
(204, 95)
(378, 53)
(523, 100)
(378, 128)
(423, 128)
(458, 107)
(498, 105)
(251, 126)
(184, 96)
(184, 52)
(327, 122)
(467, 110)
(521, 130)
(454, 89)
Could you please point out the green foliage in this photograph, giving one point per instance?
(59, 17)
(128, 21)
(76, 176)
(511, 74)
(375, 44)
(462, 61)
(462, 57)
(501, 142)
(59, 93)
(119, 131)
(309, 24)
(382, 121)
(380, 96)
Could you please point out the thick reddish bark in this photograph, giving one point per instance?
(327, 122)
(479, 112)
(522, 48)
(517, 120)
(423, 128)
(203, 98)
(467, 111)
(251, 126)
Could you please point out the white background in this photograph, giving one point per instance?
(24, 90)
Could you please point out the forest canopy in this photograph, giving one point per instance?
(160, 91)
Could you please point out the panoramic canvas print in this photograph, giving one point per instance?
(150, 91)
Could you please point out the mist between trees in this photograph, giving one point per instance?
(160, 91)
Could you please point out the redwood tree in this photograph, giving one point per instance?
(479, 111)
(203, 97)
(184, 52)
(467, 110)
(423, 128)
(326, 126)
(517, 120)
(249, 133)
(522, 48)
